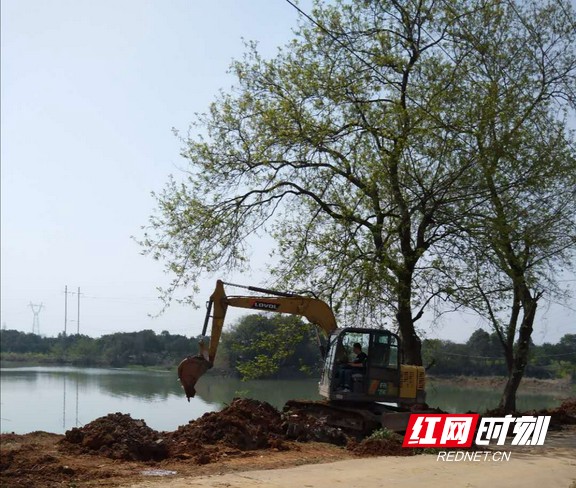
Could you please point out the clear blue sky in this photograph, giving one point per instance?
(90, 92)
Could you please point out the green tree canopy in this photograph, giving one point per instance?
(521, 67)
(363, 149)
(262, 346)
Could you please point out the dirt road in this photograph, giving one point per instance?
(549, 466)
(555, 469)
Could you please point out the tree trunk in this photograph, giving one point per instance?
(411, 344)
(529, 304)
(508, 400)
(508, 344)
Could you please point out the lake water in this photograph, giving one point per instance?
(55, 399)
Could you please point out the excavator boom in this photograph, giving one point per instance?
(315, 310)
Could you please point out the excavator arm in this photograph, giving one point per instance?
(316, 311)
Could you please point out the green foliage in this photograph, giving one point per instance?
(118, 350)
(452, 359)
(402, 152)
(482, 355)
(521, 231)
(16, 341)
(84, 351)
(261, 346)
(385, 434)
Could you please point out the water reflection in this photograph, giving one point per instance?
(56, 399)
(152, 386)
(457, 399)
(221, 390)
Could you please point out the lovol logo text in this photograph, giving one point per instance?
(265, 306)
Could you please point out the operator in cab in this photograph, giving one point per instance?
(357, 365)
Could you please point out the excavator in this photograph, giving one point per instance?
(384, 391)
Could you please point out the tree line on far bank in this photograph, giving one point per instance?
(260, 346)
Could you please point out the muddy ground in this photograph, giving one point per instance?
(247, 435)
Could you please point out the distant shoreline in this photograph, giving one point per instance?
(488, 382)
(498, 382)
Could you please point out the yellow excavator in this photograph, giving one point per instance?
(383, 391)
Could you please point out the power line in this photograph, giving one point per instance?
(66, 293)
(92, 297)
(334, 38)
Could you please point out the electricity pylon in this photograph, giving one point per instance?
(36, 322)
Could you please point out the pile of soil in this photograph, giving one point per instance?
(302, 427)
(117, 436)
(560, 416)
(239, 429)
(244, 425)
(26, 464)
(38, 460)
(228, 436)
(565, 414)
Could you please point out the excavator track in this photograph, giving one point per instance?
(324, 416)
(353, 419)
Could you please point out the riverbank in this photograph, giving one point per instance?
(303, 464)
(250, 436)
(498, 382)
(484, 382)
(553, 468)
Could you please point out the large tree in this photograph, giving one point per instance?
(522, 70)
(348, 148)
(339, 149)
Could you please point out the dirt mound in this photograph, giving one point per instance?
(117, 436)
(25, 465)
(569, 407)
(302, 427)
(242, 426)
(565, 414)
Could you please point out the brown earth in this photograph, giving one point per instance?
(117, 436)
(36, 460)
(116, 449)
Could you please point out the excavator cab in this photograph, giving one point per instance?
(383, 378)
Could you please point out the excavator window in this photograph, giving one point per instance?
(351, 338)
(384, 351)
(335, 351)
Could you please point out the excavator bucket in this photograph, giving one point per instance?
(191, 369)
